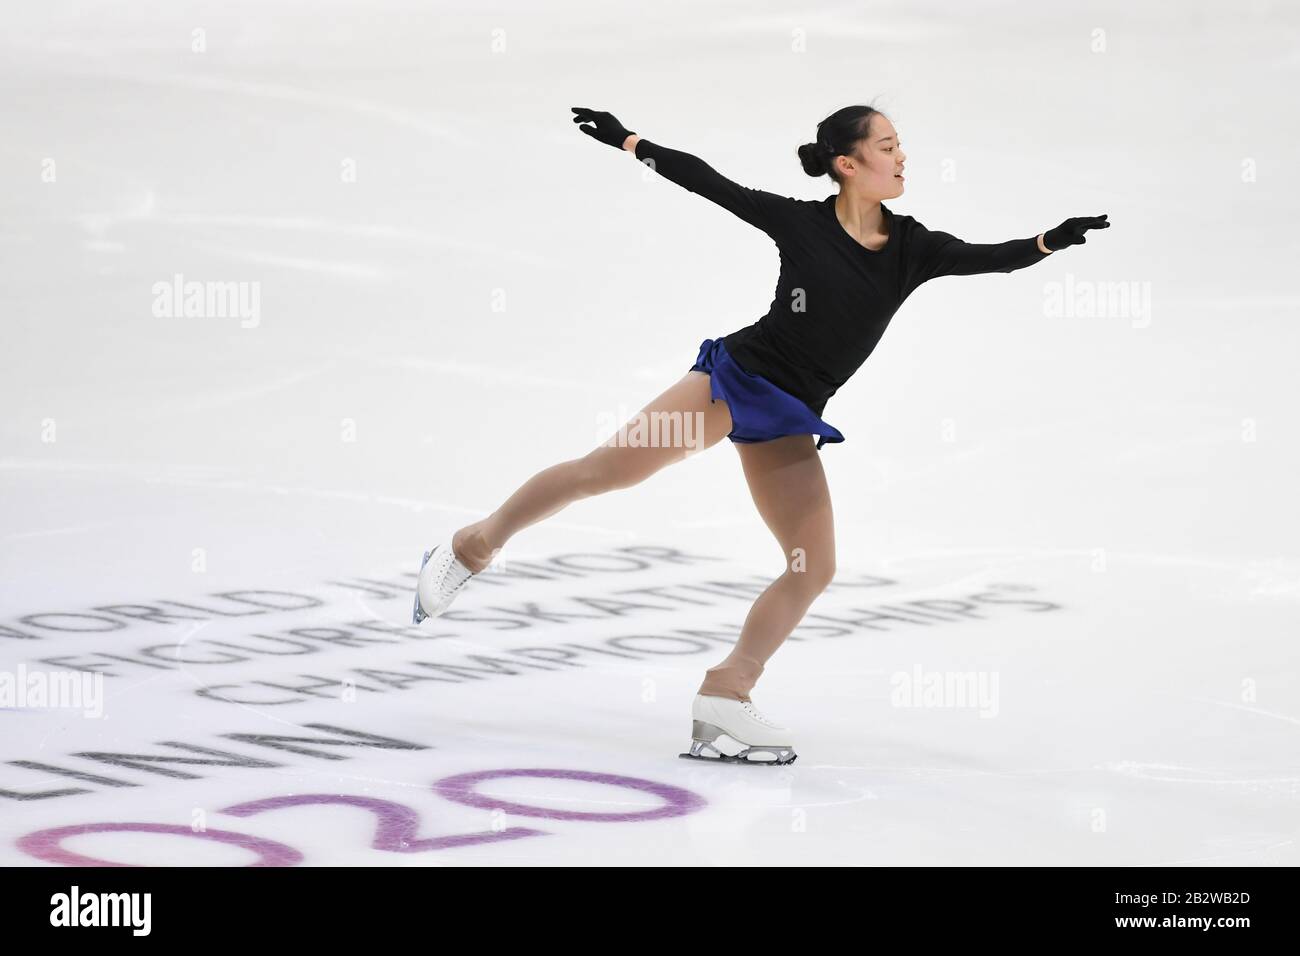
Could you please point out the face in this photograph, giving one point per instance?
(874, 171)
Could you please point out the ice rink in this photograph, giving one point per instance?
(1066, 504)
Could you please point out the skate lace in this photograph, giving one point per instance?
(753, 712)
(445, 587)
(449, 591)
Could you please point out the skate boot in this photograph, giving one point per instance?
(441, 578)
(733, 731)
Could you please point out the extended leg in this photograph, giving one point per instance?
(789, 488)
(675, 425)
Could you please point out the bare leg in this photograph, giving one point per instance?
(679, 423)
(789, 487)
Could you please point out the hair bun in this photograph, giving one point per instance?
(813, 160)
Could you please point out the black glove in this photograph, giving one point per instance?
(607, 129)
(1070, 232)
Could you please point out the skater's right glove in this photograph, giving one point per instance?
(607, 129)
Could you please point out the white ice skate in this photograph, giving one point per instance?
(733, 731)
(441, 578)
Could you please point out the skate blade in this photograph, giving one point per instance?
(776, 756)
(417, 610)
(723, 758)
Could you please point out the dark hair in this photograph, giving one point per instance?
(837, 135)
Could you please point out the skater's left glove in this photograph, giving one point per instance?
(607, 129)
(1070, 232)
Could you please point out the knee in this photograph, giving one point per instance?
(814, 573)
(586, 476)
(599, 472)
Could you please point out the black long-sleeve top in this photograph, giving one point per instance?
(834, 297)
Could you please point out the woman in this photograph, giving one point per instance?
(847, 264)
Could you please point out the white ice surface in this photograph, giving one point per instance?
(1136, 471)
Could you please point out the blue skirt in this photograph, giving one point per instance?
(759, 410)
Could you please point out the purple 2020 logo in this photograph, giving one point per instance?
(397, 825)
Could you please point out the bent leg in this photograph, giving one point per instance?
(677, 424)
(789, 488)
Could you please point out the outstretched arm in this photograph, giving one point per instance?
(761, 209)
(943, 254)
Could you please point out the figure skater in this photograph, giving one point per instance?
(847, 263)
